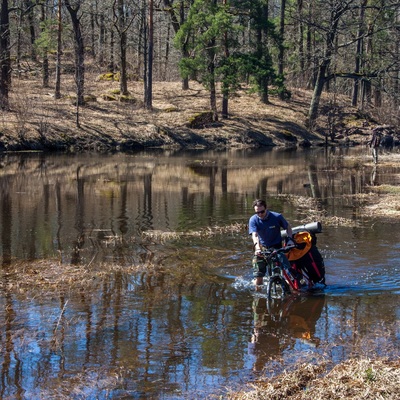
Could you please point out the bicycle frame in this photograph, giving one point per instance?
(278, 274)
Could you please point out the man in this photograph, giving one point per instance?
(374, 143)
(265, 230)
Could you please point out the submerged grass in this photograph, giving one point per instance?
(384, 201)
(55, 275)
(206, 232)
(52, 275)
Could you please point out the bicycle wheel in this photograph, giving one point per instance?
(277, 288)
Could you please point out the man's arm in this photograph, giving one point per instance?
(289, 235)
(289, 231)
(256, 242)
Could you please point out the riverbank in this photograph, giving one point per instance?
(353, 379)
(110, 122)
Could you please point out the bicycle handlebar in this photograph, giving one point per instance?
(270, 253)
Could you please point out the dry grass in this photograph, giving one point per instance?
(210, 231)
(384, 204)
(384, 200)
(309, 206)
(354, 379)
(54, 276)
(36, 116)
(77, 386)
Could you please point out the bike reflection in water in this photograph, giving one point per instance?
(279, 324)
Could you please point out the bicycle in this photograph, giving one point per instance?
(281, 281)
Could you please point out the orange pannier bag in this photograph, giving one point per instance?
(301, 238)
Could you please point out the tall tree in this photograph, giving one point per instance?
(281, 47)
(177, 15)
(204, 33)
(359, 52)
(121, 27)
(263, 72)
(5, 60)
(229, 65)
(148, 91)
(300, 40)
(45, 67)
(25, 11)
(57, 87)
(396, 77)
(336, 11)
(29, 7)
(225, 84)
(79, 54)
(101, 41)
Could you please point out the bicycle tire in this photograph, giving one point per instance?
(277, 288)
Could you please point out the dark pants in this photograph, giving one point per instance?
(260, 266)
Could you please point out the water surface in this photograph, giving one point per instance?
(196, 326)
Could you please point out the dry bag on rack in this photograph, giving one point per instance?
(307, 258)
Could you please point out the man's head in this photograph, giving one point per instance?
(260, 207)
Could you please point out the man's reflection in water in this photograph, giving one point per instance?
(373, 176)
(278, 325)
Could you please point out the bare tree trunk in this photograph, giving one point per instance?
(301, 40)
(19, 40)
(150, 52)
(336, 13)
(111, 63)
(144, 45)
(176, 24)
(185, 53)
(319, 85)
(366, 84)
(213, 94)
(121, 27)
(211, 71)
(396, 84)
(396, 88)
(29, 10)
(101, 40)
(225, 106)
(79, 54)
(359, 53)
(225, 90)
(5, 62)
(310, 65)
(45, 66)
(57, 91)
(281, 36)
(262, 38)
(166, 56)
(378, 97)
(367, 93)
(92, 34)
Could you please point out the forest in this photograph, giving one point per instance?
(347, 48)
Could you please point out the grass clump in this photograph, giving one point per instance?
(354, 379)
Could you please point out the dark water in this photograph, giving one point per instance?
(197, 326)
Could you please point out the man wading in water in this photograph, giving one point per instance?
(265, 230)
(374, 144)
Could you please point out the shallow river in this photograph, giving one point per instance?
(189, 324)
